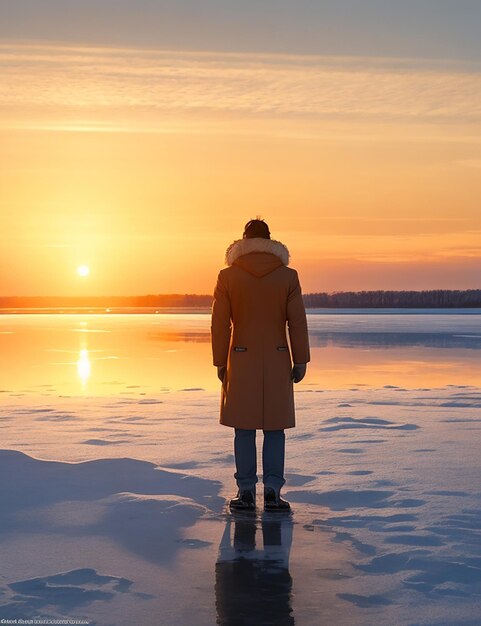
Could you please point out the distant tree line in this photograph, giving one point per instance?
(160, 300)
(434, 298)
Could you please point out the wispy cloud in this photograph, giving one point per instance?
(403, 248)
(471, 163)
(102, 89)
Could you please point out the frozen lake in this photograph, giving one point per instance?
(114, 473)
(98, 354)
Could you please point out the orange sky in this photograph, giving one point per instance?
(146, 164)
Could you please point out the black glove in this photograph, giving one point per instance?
(298, 372)
(221, 370)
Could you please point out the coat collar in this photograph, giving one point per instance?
(256, 244)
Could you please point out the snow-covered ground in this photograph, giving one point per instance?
(113, 506)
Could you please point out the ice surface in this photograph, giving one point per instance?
(114, 474)
(114, 511)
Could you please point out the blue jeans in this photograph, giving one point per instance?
(273, 455)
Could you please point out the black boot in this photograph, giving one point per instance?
(244, 500)
(273, 501)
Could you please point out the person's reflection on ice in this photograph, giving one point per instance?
(253, 586)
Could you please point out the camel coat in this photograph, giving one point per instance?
(254, 298)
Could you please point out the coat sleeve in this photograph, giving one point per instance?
(221, 323)
(297, 323)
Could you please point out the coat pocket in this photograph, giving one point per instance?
(282, 348)
(239, 348)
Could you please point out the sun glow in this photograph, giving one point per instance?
(83, 270)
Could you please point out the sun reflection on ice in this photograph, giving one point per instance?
(83, 366)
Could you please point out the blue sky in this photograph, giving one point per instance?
(408, 28)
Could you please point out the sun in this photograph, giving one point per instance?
(83, 270)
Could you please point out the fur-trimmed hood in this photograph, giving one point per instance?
(256, 244)
(250, 255)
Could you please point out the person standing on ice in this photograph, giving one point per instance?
(254, 298)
